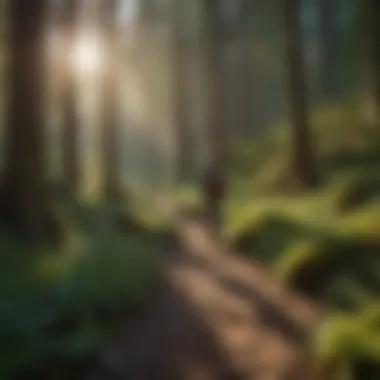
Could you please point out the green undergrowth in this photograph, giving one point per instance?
(322, 234)
(332, 258)
(341, 143)
(56, 305)
(325, 244)
(347, 345)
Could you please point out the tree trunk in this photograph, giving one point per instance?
(369, 10)
(215, 37)
(249, 109)
(180, 107)
(248, 75)
(327, 20)
(302, 161)
(25, 208)
(70, 132)
(216, 95)
(110, 139)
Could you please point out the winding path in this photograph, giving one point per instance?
(214, 316)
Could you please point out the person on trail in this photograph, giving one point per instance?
(213, 187)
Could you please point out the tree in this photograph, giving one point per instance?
(70, 132)
(327, 34)
(214, 175)
(247, 75)
(24, 197)
(369, 13)
(302, 160)
(111, 160)
(180, 108)
(216, 99)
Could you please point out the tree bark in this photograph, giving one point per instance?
(327, 10)
(25, 198)
(303, 169)
(216, 95)
(185, 147)
(248, 76)
(70, 131)
(215, 42)
(110, 139)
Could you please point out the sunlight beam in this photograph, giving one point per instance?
(86, 55)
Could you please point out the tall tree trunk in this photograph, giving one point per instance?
(248, 77)
(70, 131)
(214, 184)
(327, 9)
(25, 198)
(302, 160)
(110, 139)
(185, 145)
(248, 103)
(216, 95)
(369, 12)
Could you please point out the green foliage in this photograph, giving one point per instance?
(259, 166)
(326, 243)
(343, 338)
(362, 186)
(54, 304)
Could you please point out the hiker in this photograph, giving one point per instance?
(213, 187)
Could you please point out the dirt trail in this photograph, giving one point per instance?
(214, 317)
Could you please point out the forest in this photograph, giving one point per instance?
(190, 189)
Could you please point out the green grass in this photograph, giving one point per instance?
(56, 307)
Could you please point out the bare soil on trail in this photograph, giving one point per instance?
(214, 316)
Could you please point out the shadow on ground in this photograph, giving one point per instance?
(170, 343)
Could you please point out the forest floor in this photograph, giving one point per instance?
(214, 316)
(219, 313)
